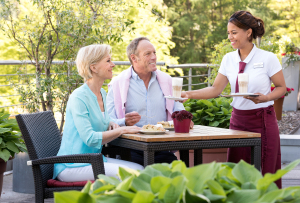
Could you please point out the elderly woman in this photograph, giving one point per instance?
(88, 125)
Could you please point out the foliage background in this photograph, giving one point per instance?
(183, 31)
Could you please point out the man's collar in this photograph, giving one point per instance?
(248, 58)
(135, 76)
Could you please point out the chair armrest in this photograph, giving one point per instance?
(96, 160)
(74, 158)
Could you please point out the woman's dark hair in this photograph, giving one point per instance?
(245, 20)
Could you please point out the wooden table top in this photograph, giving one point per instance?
(198, 133)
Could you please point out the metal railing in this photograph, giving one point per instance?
(190, 76)
(117, 63)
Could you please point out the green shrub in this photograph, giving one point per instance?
(162, 183)
(211, 112)
(11, 141)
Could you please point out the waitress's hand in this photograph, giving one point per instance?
(260, 99)
(183, 95)
(191, 125)
(112, 126)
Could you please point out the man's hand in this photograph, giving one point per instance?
(191, 125)
(112, 126)
(132, 118)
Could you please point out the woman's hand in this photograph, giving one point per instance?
(129, 129)
(260, 99)
(112, 126)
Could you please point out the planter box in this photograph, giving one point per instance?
(23, 180)
(290, 148)
(291, 77)
(208, 155)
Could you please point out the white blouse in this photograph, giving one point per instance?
(261, 66)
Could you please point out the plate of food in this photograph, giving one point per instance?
(241, 95)
(153, 130)
(167, 125)
(175, 98)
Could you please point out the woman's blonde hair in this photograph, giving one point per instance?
(89, 55)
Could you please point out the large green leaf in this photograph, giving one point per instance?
(72, 197)
(164, 168)
(175, 191)
(275, 195)
(11, 146)
(102, 189)
(225, 110)
(4, 130)
(112, 199)
(125, 184)
(214, 123)
(4, 154)
(245, 172)
(127, 172)
(125, 193)
(198, 175)
(207, 103)
(216, 188)
(190, 197)
(158, 182)
(138, 184)
(87, 187)
(4, 116)
(110, 180)
(151, 171)
(265, 182)
(244, 196)
(178, 166)
(143, 197)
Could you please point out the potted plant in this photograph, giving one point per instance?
(162, 183)
(279, 102)
(11, 142)
(182, 120)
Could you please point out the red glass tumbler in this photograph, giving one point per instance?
(182, 126)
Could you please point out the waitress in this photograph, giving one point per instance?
(253, 114)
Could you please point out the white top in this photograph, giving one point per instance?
(261, 66)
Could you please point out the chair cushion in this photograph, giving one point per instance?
(57, 183)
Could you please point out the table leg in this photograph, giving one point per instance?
(197, 157)
(148, 158)
(184, 156)
(255, 156)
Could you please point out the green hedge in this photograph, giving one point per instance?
(172, 183)
(211, 112)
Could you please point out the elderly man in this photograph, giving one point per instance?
(136, 96)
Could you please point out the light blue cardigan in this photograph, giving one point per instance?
(83, 127)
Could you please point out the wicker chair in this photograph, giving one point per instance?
(42, 139)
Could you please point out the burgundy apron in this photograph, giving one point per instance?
(261, 121)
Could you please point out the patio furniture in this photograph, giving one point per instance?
(201, 137)
(42, 139)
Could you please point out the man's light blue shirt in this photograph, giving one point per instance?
(150, 104)
(83, 127)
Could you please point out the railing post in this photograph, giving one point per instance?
(209, 69)
(190, 79)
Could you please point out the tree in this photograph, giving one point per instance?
(200, 24)
(55, 29)
(287, 19)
